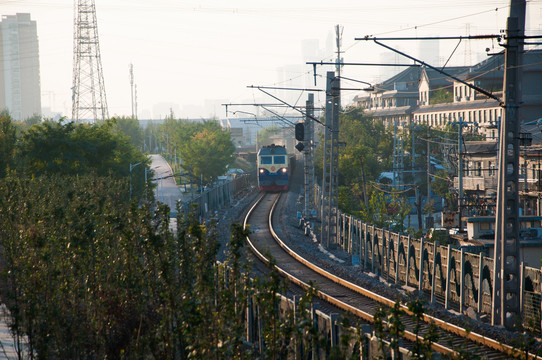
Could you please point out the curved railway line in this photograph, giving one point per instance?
(349, 297)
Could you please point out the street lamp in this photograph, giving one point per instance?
(131, 168)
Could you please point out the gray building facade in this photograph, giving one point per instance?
(20, 90)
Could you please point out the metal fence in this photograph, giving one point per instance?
(461, 280)
(455, 278)
(205, 204)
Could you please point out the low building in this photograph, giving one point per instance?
(481, 238)
(425, 96)
(480, 178)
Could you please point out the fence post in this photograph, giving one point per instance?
(350, 230)
(435, 249)
(373, 249)
(250, 321)
(333, 329)
(365, 254)
(397, 260)
(461, 282)
(358, 239)
(345, 233)
(420, 284)
(407, 270)
(297, 341)
(314, 344)
(447, 292)
(388, 256)
(521, 287)
(260, 328)
(480, 282)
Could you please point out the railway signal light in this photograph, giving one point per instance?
(299, 132)
(300, 146)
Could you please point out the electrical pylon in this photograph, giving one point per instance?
(88, 91)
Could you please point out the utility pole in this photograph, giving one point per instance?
(331, 162)
(395, 154)
(428, 164)
(330, 181)
(307, 152)
(412, 127)
(338, 64)
(460, 124)
(132, 87)
(401, 163)
(506, 272)
(135, 100)
(88, 90)
(460, 171)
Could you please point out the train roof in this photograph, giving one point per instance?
(273, 149)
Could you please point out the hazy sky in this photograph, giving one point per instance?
(188, 53)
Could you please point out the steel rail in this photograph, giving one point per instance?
(481, 339)
(329, 298)
(473, 336)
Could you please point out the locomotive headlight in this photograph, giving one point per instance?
(262, 171)
(284, 170)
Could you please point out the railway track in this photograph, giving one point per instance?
(349, 297)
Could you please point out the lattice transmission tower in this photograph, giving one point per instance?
(88, 92)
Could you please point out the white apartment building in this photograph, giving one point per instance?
(20, 91)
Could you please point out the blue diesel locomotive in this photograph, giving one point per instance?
(273, 169)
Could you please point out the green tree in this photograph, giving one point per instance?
(441, 96)
(66, 148)
(422, 347)
(208, 154)
(368, 144)
(367, 151)
(7, 142)
(129, 127)
(386, 210)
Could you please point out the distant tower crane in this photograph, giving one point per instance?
(88, 90)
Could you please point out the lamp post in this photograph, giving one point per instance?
(132, 166)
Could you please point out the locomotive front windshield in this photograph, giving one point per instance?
(266, 160)
(280, 159)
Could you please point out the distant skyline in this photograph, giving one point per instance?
(191, 56)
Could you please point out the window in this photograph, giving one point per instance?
(485, 225)
(266, 160)
(280, 159)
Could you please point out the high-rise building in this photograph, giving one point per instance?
(20, 90)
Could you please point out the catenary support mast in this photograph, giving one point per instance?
(506, 286)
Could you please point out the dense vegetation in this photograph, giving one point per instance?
(64, 148)
(205, 148)
(87, 273)
(367, 152)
